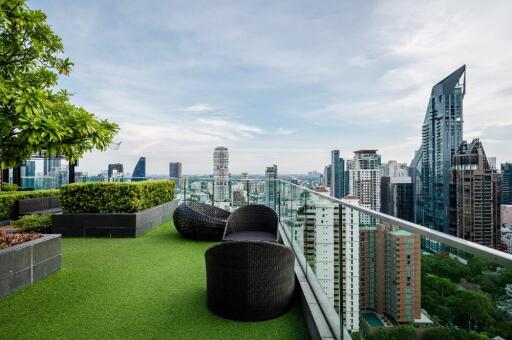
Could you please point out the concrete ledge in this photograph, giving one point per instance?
(26, 263)
(113, 225)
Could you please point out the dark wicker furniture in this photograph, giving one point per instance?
(250, 280)
(252, 222)
(199, 221)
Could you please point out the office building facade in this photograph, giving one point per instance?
(175, 170)
(115, 168)
(271, 186)
(506, 183)
(337, 175)
(139, 172)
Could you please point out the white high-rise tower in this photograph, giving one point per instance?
(220, 174)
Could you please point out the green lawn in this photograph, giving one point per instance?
(152, 287)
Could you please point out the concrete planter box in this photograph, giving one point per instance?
(25, 263)
(112, 225)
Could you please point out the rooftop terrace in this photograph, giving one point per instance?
(149, 287)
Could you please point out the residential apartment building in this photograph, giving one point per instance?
(475, 196)
(390, 273)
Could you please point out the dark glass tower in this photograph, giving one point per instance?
(139, 172)
(506, 183)
(116, 166)
(337, 175)
(441, 138)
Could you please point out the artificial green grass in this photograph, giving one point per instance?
(152, 287)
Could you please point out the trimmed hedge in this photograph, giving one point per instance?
(115, 197)
(8, 200)
(33, 223)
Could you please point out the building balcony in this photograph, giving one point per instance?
(154, 286)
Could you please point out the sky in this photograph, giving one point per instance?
(280, 82)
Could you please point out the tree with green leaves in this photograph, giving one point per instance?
(34, 116)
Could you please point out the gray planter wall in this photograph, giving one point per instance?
(113, 225)
(25, 263)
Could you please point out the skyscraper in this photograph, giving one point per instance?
(327, 176)
(118, 167)
(221, 174)
(337, 175)
(506, 183)
(30, 168)
(175, 170)
(441, 138)
(415, 174)
(401, 197)
(329, 236)
(475, 200)
(271, 186)
(51, 165)
(390, 277)
(139, 172)
(364, 182)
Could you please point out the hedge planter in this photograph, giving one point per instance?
(112, 224)
(28, 262)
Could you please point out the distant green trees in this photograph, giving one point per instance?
(451, 306)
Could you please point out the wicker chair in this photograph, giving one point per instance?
(200, 221)
(249, 280)
(252, 223)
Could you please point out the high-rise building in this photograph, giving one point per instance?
(506, 183)
(415, 174)
(337, 175)
(364, 182)
(118, 167)
(385, 193)
(327, 176)
(475, 196)
(51, 165)
(221, 174)
(396, 197)
(401, 194)
(349, 271)
(30, 169)
(390, 273)
(441, 138)
(175, 170)
(271, 186)
(139, 172)
(325, 235)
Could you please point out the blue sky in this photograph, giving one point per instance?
(281, 82)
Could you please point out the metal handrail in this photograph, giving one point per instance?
(490, 254)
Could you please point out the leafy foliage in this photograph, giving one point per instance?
(395, 333)
(7, 240)
(115, 197)
(33, 115)
(10, 187)
(8, 200)
(470, 311)
(34, 223)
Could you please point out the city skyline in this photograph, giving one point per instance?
(266, 110)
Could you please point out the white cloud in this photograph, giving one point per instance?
(196, 108)
(283, 132)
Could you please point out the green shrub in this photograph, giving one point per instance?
(31, 223)
(8, 200)
(115, 197)
(10, 187)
